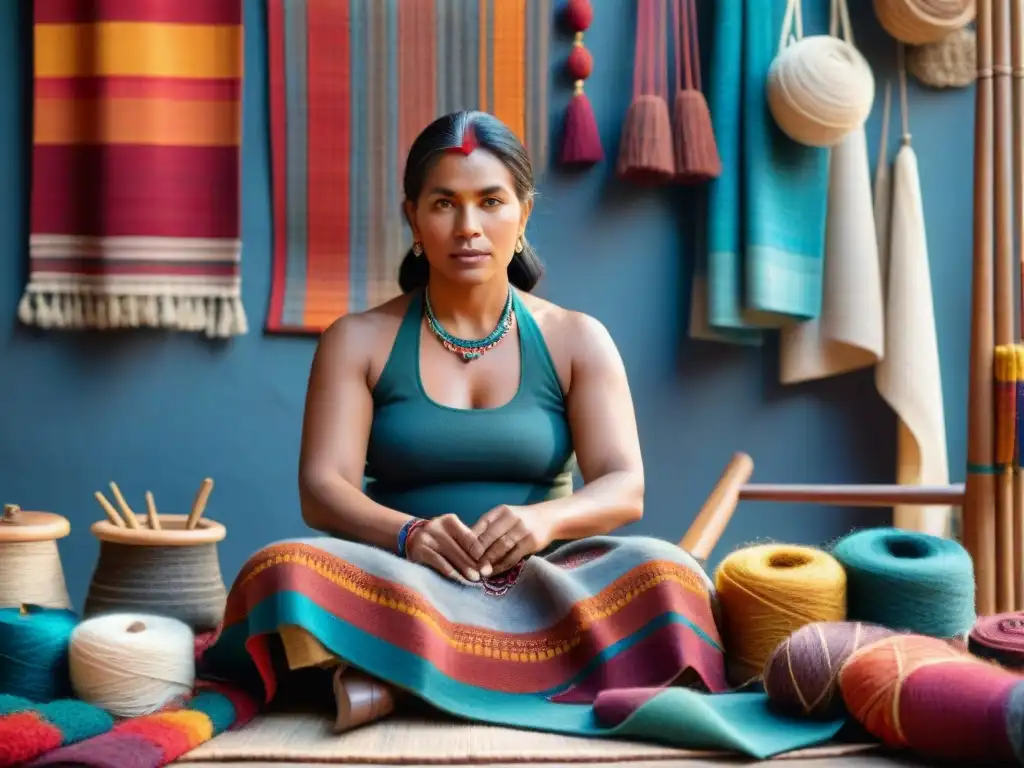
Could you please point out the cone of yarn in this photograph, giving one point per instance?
(132, 664)
(646, 154)
(922, 693)
(696, 151)
(801, 676)
(34, 652)
(820, 89)
(908, 581)
(917, 22)
(768, 591)
(999, 638)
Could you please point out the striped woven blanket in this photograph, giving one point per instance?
(135, 209)
(70, 732)
(606, 637)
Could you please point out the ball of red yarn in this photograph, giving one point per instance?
(580, 63)
(800, 676)
(578, 15)
(925, 694)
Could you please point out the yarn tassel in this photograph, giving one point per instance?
(696, 152)
(581, 140)
(646, 155)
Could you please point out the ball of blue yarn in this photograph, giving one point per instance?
(34, 652)
(908, 581)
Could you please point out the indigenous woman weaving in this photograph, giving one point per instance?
(441, 434)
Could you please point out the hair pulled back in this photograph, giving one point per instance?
(525, 270)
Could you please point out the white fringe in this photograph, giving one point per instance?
(219, 317)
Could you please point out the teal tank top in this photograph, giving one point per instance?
(427, 459)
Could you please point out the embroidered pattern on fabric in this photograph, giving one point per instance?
(503, 582)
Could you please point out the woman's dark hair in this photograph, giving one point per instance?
(487, 132)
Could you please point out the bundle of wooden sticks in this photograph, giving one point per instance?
(993, 511)
(127, 518)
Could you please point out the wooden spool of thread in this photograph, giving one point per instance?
(169, 566)
(30, 566)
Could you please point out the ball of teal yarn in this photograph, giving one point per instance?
(908, 581)
(34, 652)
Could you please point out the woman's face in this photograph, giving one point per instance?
(468, 218)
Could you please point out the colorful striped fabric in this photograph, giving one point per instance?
(586, 641)
(135, 166)
(70, 732)
(351, 84)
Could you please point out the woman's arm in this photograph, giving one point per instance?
(604, 433)
(335, 432)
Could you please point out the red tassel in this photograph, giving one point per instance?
(581, 141)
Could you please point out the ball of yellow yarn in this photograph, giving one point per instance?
(767, 592)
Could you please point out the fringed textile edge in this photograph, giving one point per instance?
(218, 316)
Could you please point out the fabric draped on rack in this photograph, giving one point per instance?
(909, 377)
(849, 333)
(761, 267)
(604, 637)
(135, 203)
(351, 85)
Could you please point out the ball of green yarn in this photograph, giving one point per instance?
(908, 581)
(34, 652)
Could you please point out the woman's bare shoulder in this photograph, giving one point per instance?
(357, 334)
(557, 322)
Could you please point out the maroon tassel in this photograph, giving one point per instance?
(696, 150)
(581, 141)
(645, 147)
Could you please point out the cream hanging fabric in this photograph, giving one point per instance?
(849, 333)
(909, 377)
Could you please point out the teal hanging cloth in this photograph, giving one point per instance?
(761, 267)
(785, 188)
(718, 255)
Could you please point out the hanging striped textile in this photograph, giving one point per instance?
(135, 210)
(351, 85)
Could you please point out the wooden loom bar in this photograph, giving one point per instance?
(1003, 278)
(978, 524)
(854, 495)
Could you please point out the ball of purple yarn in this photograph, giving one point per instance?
(801, 673)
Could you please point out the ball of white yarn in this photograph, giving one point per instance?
(131, 664)
(820, 88)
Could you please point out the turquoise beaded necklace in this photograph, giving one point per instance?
(470, 349)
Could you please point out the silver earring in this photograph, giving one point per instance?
(520, 244)
(417, 249)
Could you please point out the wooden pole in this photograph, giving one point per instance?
(979, 489)
(1003, 277)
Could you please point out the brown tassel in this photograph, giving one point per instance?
(581, 141)
(696, 152)
(646, 153)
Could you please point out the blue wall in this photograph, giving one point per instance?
(162, 412)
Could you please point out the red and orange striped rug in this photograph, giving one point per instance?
(135, 209)
(351, 84)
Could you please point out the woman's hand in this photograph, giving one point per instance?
(446, 545)
(507, 535)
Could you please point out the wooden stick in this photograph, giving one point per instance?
(1017, 62)
(979, 489)
(855, 495)
(129, 515)
(1003, 282)
(705, 531)
(109, 509)
(199, 505)
(151, 513)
